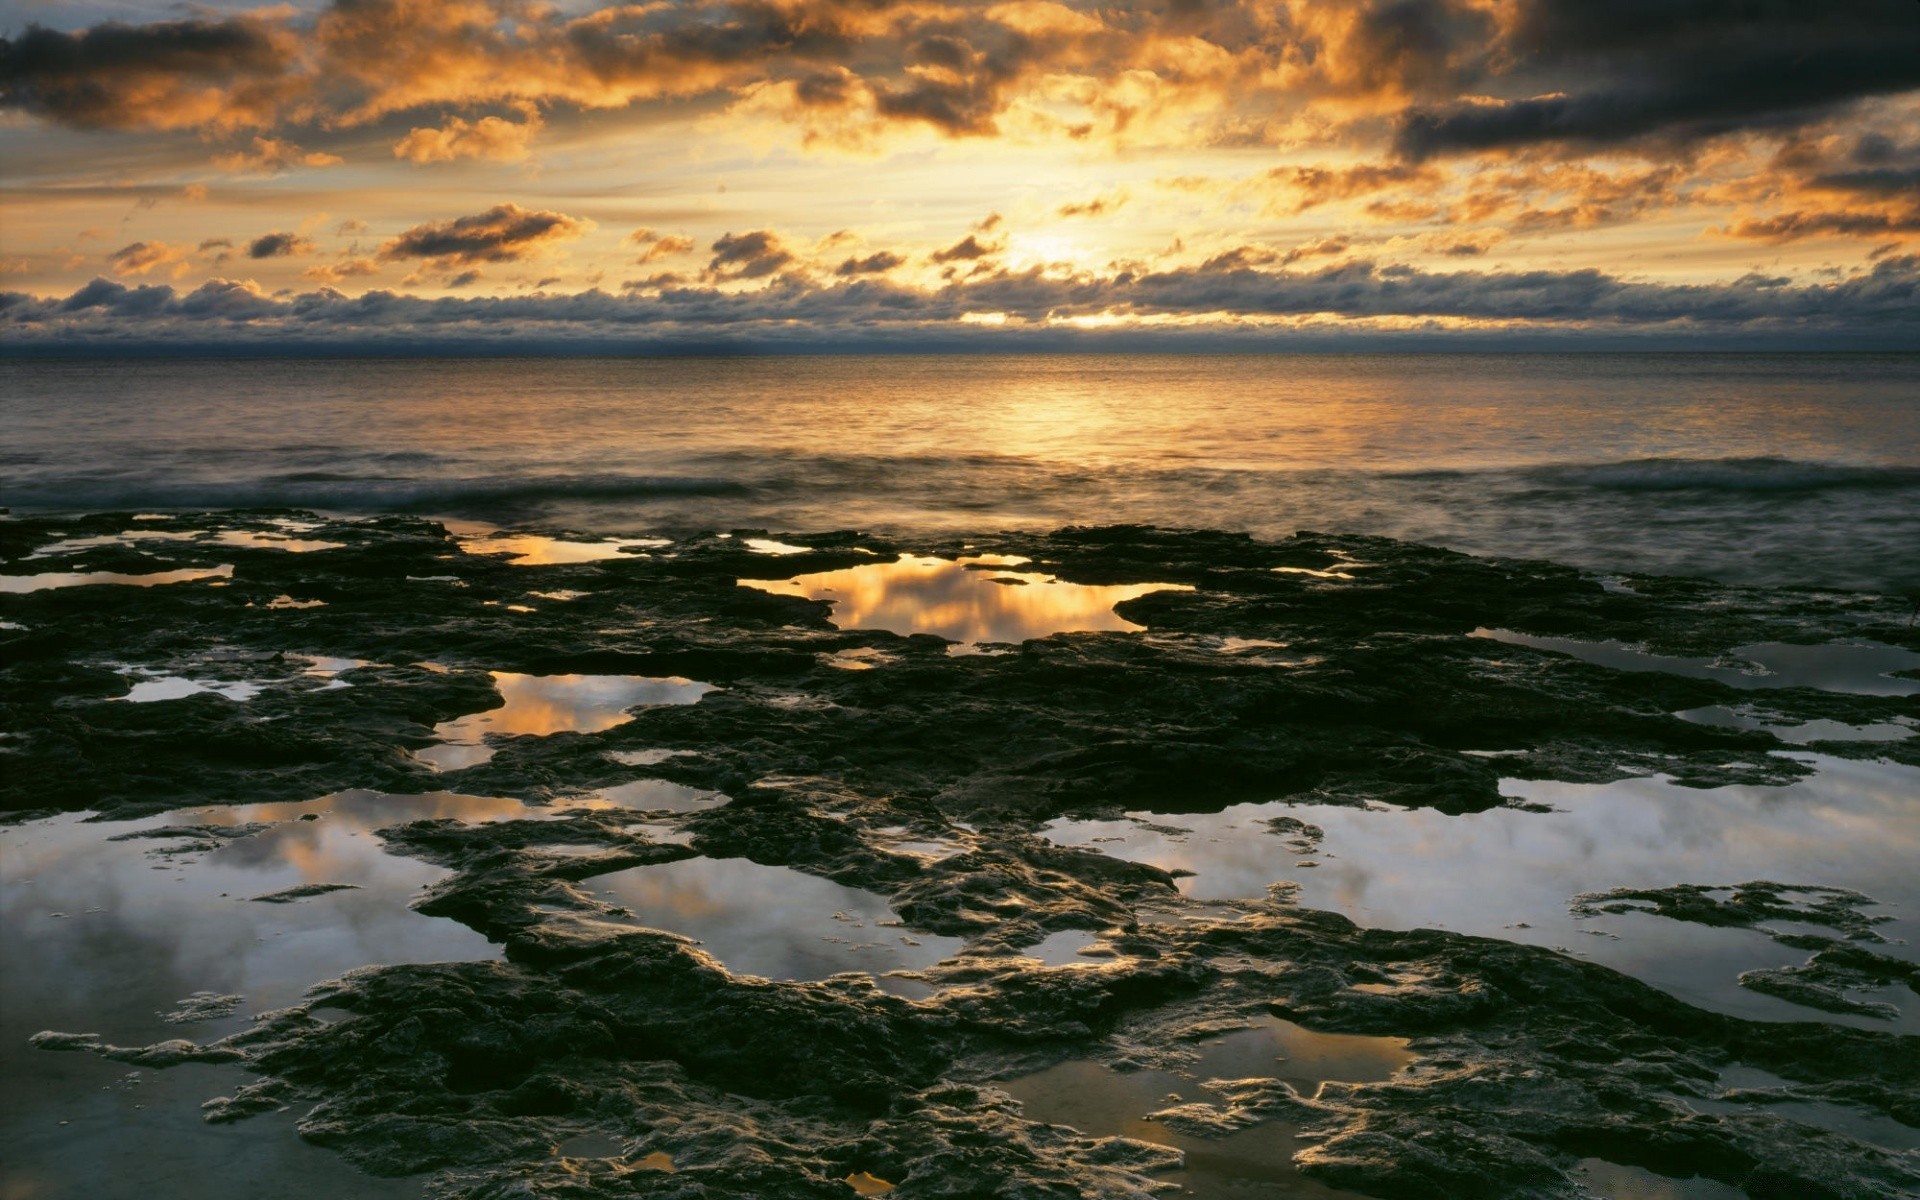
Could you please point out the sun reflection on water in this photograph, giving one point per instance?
(969, 600)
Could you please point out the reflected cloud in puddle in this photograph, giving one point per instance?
(178, 687)
(158, 909)
(1619, 1182)
(969, 600)
(248, 540)
(775, 922)
(538, 550)
(1862, 669)
(1803, 733)
(538, 705)
(72, 545)
(665, 794)
(1510, 874)
(20, 584)
(1102, 1102)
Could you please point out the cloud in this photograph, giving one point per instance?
(1225, 295)
(748, 255)
(655, 246)
(1614, 72)
(967, 249)
(351, 268)
(142, 258)
(279, 245)
(503, 233)
(167, 75)
(272, 156)
(492, 139)
(878, 263)
(1439, 77)
(1793, 226)
(1096, 207)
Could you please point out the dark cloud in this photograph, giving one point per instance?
(279, 245)
(503, 233)
(967, 249)
(1793, 226)
(1883, 302)
(873, 264)
(749, 255)
(180, 73)
(1879, 181)
(1611, 72)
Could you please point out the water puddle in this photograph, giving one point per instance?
(20, 584)
(178, 687)
(1862, 669)
(643, 758)
(1062, 948)
(1739, 1085)
(653, 794)
(1803, 733)
(1256, 1162)
(106, 927)
(537, 550)
(1509, 873)
(775, 922)
(127, 538)
(591, 1145)
(246, 540)
(538, 705)
(968, 601)
(1617, 1182)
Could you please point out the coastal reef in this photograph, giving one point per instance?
(804, 724)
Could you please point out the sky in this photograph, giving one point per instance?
(809, 173)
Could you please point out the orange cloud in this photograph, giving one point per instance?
(271, 156)
(143, 258)
(493, 139)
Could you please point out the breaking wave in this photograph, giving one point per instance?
(1725, 475)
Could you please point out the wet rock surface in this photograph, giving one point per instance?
(1324, 670)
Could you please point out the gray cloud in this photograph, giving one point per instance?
(1607, 72)
(503, 233)
(1882, 302)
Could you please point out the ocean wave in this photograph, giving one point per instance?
(1723, 475)
(355, 493)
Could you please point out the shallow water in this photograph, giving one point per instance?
(1763, 468)
(539, 705)
(1510, 873)
(537, 550)
(774, 922)
(107, 927)
(1864, 668)
(1258, 1161)
(47, 580)
(967, 601)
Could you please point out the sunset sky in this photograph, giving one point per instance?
(876, 172)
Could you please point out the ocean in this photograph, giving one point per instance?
(1798, 470)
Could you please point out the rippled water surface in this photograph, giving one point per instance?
(1765, 468)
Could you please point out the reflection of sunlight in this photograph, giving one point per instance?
(946, 598)
(539, 705)
(533, 550)
(61, 579)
